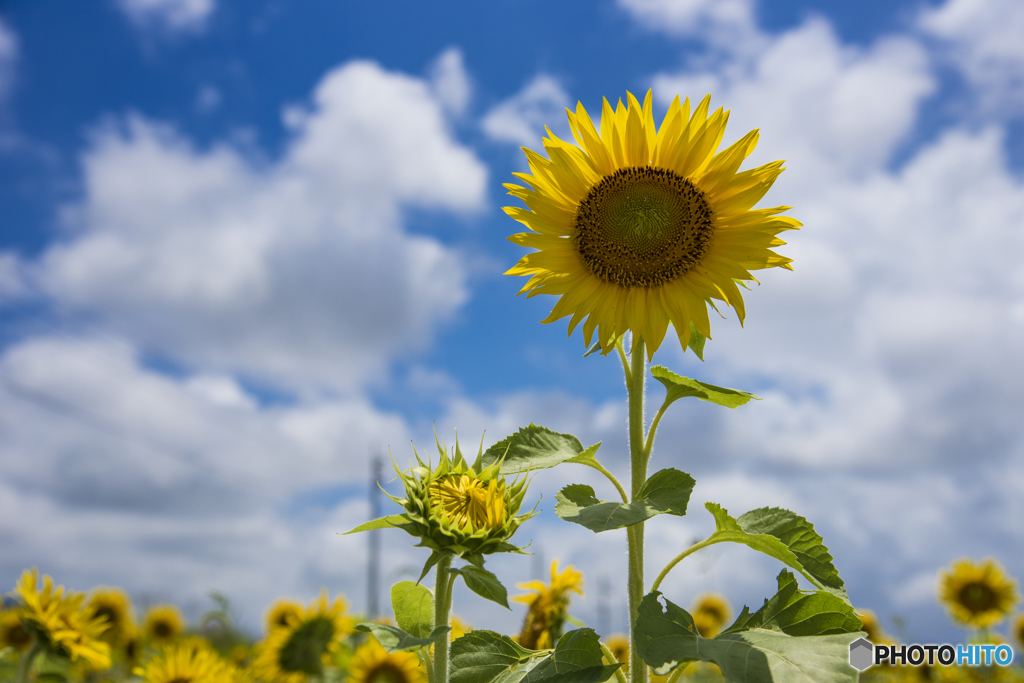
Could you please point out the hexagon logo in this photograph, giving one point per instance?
(861, 654)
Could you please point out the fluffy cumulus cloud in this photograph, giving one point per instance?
(222, 261)
(521, 118)
(720, 21)
(982, 38)
(169, 15)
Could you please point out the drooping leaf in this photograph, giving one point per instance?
(394, 639)
(483, 583)
(697, 341)
(800, 613)
(488, 657)
(666, 492)
(532, 448)
(413, 604)
(787, 537)
(594, 348)
(667, 637)
(681, 387)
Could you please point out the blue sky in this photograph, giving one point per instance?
(245, 245)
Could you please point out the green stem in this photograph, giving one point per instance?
(649, 444)
(611, 477)
(682, 556)
(677, 673)
(622, 357)
(635, 386)
(610, 659)
(442, 611)
(25, 666)
(428, 664)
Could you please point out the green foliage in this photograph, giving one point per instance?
(665, 492)
(394, 639)
(488, 657)
(483, 583)
(787, 537)
(535, 448)
(413, 605)
(679, 387)
(697, 341)
(795, 636)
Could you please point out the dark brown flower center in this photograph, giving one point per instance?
(978, 597)
(643, 226)
(386, 672)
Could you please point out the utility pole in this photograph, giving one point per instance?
(373, 562)
(604, 612)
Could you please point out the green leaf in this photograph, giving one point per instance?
(389, 522)
(435, 557)
(488, 657)
(787, 537)
(594, 348)
(666, 492)
(394, 639)
(532, 448)
(483, 583)
(800, 613)
(697, 341)
(681, 387)
(668, 637)
(413, 604)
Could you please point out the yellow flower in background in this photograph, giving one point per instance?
(619, 646)
(186, 664)
(13, 633)
(548, 607)
(459, 628)
(163, 624)
(113, 605)
(710, 613)
(372, 664)
(638, 226)
(292, 654)
(66, 628)
(283, 612)
(1018, 631)
(869, 624)
(977, 594)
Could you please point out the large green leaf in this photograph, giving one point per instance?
(413, 604)
(787, 537)
(534, 448)
(488, 657)
(666, 492)
(394, 639)
(681, 387)
(766, 652)
(483, 583)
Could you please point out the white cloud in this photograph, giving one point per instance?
(521, 118)
(170, 15)
(298, 272)
(450, 82)
(722, 21)
(982, 38)
(8, 56)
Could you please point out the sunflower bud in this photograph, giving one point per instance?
(458, 509)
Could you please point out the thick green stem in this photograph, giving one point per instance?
(638, 460)
(649, 444)
(27, 660)
(682, 556)
(442, 612)
(609, 658)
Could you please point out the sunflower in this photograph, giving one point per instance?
(977, 595)
(372, 664)
(291, 654)
(283, 612)
(1018, 630)
(548, 607)
(178, 664)
(58, 620)
(163, 624)
(869, 624)
(13, 633)
(113, 605)
(459, 628)
(639, 226)
(710, 612)
(619, 647)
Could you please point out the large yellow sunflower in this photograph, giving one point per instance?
(639, 226)
(548, 607)
(294, 653)
(710, 612)
(372, 664)
(163, 624)
(186, 664)
(60, 622)
(113, 605)
(977, 594)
